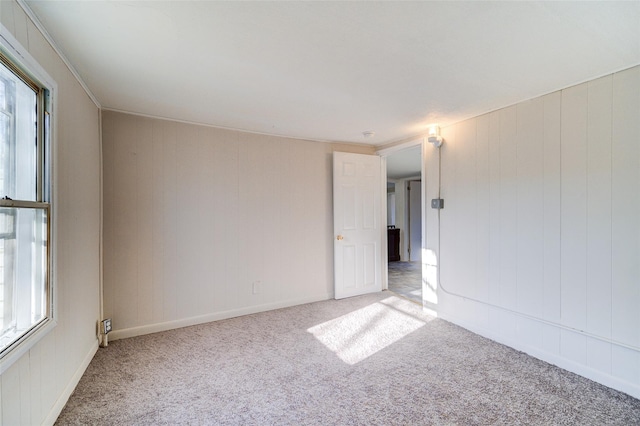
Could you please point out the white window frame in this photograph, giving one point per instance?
(22, 60)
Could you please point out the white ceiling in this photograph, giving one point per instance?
(332, 70)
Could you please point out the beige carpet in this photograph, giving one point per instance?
(369, 360)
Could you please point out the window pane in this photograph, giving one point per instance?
(23, 260)
(18, 150)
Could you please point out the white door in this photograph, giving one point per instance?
(357, 217)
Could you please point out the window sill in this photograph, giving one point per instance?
(15, 352)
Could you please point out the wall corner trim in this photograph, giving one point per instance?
(57, 49)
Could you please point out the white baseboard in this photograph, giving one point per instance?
(71, 386)
(215, 316)
(559, 361)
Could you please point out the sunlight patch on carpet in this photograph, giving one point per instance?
(359, 334)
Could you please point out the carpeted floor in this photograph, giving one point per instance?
(369, 360)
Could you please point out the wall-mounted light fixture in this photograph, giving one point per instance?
(434, 136)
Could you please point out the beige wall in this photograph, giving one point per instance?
(34, 389)
(540, 235)
(195, 216)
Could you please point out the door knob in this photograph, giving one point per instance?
(339, 238)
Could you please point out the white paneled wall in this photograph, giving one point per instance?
(540, 235)
(203, 223)
(35, 388)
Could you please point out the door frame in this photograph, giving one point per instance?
(384, 153)
(410, 248)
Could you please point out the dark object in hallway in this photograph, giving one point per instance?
(393, 243)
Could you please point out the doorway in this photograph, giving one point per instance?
(404, 221)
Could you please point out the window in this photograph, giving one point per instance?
(25, 208)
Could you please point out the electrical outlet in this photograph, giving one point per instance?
(257, 287)
(106, 326)
(437, 203)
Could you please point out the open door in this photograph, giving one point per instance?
(357, 224)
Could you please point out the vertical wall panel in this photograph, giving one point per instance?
(530, 202)
(574, 206)
(49, 375)
(170, 219)
(11, 403)
(189, 238)
(290, 163)
(483, 209)
(551, 207)
(125, 231)
(25, 390)
(157, 221)
(206, 207)
(144, 220)
(20, 25)
(562, 177)
(109, 240)
(508, 207)
(250, 214)
(6, 13)
(230, 174)
(272, 229)
(599, 207)
(466, 207)
(599, 355)
(573, 346)
(224, 182)
(35, 383)
(432, 241)
(494, 209)
(625, 364)
(448, 220)
(319, 248)
(299, 221)
(626, 207)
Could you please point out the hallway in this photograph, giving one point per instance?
(405, 279)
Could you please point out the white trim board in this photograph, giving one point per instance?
(216, 316)
(71, 386)
(559, 361)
